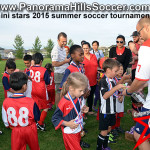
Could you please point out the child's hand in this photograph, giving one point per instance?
(72, 124)
(126, 76)
(120, 86)
(120, 98)
(85, 109)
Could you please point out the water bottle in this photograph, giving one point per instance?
(139, 97)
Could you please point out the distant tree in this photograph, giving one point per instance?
(49, 47)
(0, 57)
(70, 42)
(19, 46)
(37, 45)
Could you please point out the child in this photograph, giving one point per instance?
(120, 78)
(20, 113)
(40, 78)
(108, 96)
(27, 61)
(51, 86)
(76, 65)
(67, 51)
(77, 56)
(68, 114)
(9, 69)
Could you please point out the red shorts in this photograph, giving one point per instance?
(119, 115)
(51, 95)
(42, 103)
(21, 136)
(72, 141)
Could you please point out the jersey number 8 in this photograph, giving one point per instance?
(36, 76)
(22, 119)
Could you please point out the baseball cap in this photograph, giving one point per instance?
(135, 33)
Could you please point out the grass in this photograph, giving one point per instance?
(52, 139)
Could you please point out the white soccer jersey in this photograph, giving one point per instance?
(143, 68)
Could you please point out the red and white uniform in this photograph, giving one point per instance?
(40, 78)
(20, 113)
(51, 89)
(27, 93)
(143, 68)
(6, 86)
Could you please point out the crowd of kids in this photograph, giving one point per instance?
(30, 93)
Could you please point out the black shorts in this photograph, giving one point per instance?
(106, 120)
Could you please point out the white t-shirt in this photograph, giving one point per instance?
(143, 68)
(59, 54)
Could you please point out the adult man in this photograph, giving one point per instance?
(134, 47)
(99, 53)
(142, 77)
(60, 62)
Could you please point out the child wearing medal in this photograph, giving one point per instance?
(108, 95)
(68, 115)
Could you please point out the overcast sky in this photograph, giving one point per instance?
(103, 30)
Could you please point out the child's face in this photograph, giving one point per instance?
(67, 50)
(78, 55)
(10, 71)
(112, 72)
(77, 92)
(27, 63)
(120, 71)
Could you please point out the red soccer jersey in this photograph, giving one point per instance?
(19, 111)
(91, 69)
(52, 83)
(40, 78)
(5, 80)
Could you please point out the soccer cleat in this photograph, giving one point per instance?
(120, 130)
(112, 136)
(84, 144)
(107, 148)
(1, 132)
(111, 140)
(114, 132)
(41, 127)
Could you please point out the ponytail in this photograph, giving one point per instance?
(64, 90)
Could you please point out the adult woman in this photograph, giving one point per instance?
(120, 52)
(90, 65)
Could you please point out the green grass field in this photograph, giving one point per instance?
(51, 139)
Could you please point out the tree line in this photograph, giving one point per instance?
(18, 45)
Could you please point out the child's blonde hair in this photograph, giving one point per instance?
(76, 80)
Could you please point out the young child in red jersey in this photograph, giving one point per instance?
(9, 69)
(68, 114)
(27, 61)
(40, 79)
(51, 86)
(20, 113)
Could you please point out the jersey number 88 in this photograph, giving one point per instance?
(22, 119)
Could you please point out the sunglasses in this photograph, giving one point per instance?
(140, 30)
(119, 42)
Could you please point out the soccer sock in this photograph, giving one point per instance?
(118, 122)
(42, 117)
(100, 141)
(105, 144)
(113, 127)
